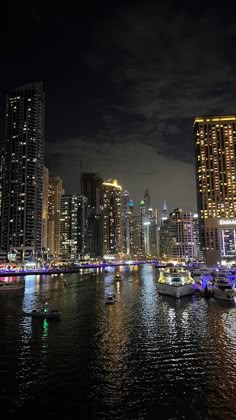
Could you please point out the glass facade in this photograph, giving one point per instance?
(215, 140)
(23, 169)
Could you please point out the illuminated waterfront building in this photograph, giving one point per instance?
(92, 188)
(112, 207)
(55, 191)
(153, 232)
(136, 243)
(164, 237)
(127, 211)
(181, 234)
(215, 140)
(45, 209)
(199, 253)
(23, 171)
(73, 227)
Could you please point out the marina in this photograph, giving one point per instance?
(146, 354)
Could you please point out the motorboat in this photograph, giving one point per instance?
(118, 276)
(110, 299)
(175, 281)
(7, 286)
(44, 313)
(223, 289)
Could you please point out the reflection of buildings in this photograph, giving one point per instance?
(92, 188)
(215, 139)
(23, 170)
(73, 226)
(112, 229)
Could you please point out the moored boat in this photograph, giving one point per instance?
(224, 290)
(7, 286)
(175, 281)
(44, 313)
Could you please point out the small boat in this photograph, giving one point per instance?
(44, 313)
(118, 276)
(7, 286)
(110, 299)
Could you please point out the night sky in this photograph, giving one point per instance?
(123, 84)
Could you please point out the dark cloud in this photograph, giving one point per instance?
(124, 82)
(137, 166)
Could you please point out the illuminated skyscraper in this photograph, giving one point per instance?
(164, 235)
(149, 226)
(73, 227)
(127, 206)
(55, 191)
(182, 239)
(92, 188)
(215, 150)
(45, 209)
(112, 235)
(23, 170)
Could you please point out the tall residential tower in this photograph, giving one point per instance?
(215, 151)
(23, 170)
(112, 217)
(92, 188)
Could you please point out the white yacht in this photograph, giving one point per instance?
(175, 281)
(223, 289)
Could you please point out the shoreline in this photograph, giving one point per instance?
(71, 270)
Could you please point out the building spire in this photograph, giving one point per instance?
(164, 211)
(147, 200)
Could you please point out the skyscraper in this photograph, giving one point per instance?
(45, 209)
(92, 188)
(182, 238)
(164, 235)
(55, 191)
(112, 232)
(23, 170)
(127, 209)
(215, 151)
(73, 221)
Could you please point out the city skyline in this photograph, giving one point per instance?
(124, 84)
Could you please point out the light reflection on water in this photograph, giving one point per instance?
(132, 360)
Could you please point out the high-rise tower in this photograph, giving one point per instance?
(215, 152)
(55, 191)
(73, 221)
(164, 234)
(112, 217)
(92, 188)
(23, 170)
(45, 209)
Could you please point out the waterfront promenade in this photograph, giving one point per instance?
(73, 269)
